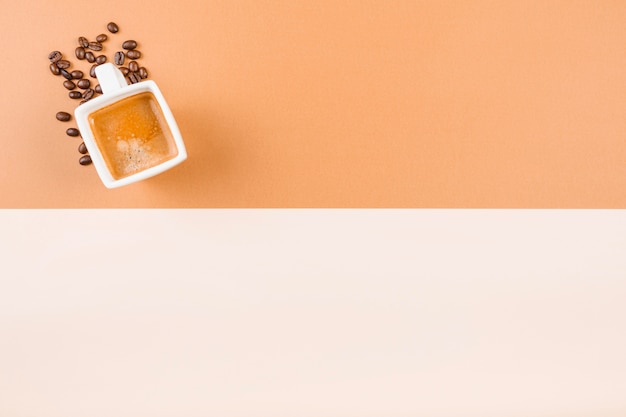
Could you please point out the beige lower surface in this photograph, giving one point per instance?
(312, 313)
(336, 103)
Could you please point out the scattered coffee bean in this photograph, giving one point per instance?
(95, 46)
(55, 56)
(88, 94)
(133, 74)
(72, 131)
(119, 58)
(112, 27)
(129, 45)
(80, 52)
(85, 160)
(63, 116)
(54, 69)
(66, 74)
(133, 54)
(84, 84)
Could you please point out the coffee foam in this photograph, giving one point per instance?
(132, 135)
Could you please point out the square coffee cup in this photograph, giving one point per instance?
(129, 131)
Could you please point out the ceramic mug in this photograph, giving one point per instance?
(129, 131)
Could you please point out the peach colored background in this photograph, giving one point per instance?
(341, 103)
(312, 313)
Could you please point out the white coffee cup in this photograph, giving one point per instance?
(110, 151)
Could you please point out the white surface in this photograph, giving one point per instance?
(312, 313)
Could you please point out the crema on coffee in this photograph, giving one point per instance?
(132, 135)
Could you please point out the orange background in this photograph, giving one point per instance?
(337, 103)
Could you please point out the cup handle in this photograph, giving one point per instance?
(110, 78)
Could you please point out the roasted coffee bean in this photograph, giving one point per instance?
(92, 71)
(69, 85)
(95, 46)
(133, 66)
(82, 41)
(98, 89)
(84, 84)
(112, 27)
(88, 94)
(143, 73)
(80, 52)
(66, 74)
(125, 71)
(72, 131)
(101, 59)
(129, 45)
(63, 116)
(85, 160)
(75, 94)
(54, 69)
(90, 57)
(55, 56)
(119, 58)
(77, 74)
(63, 63)
(82, 102)
(134, 78)
(101, 37)
(82, 148)
(134, 54)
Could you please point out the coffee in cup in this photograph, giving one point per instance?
(130, 131)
